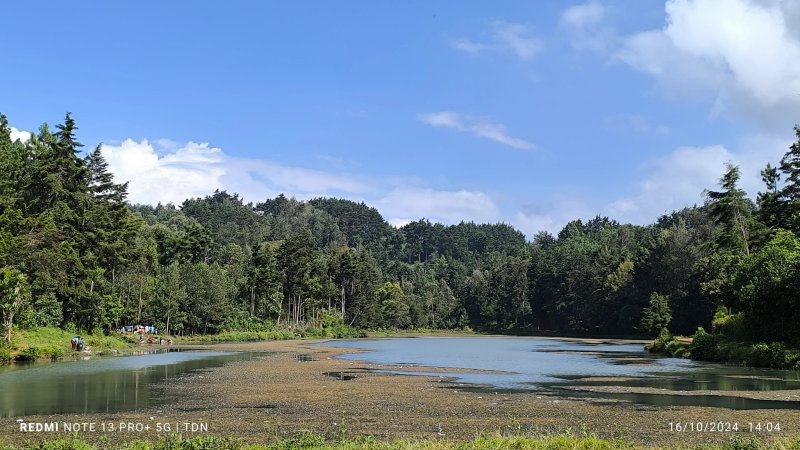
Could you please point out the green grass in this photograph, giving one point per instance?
(312, 442)
(54, 343)
(419, 332)
(236, 336)
(718, 347)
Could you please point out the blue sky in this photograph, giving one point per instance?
(530, 113)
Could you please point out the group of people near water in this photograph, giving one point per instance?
(150, 331)
(78, 344)
(151, 340)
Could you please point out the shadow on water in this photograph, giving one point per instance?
(101, 385)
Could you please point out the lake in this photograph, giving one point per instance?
(557, 367)
(110, 384)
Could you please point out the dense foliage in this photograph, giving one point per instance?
(74, 252)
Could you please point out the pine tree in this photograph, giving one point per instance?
(732, 211)
(790, 194)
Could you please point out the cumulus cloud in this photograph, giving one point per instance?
(171, 172)
(505, 37)
(477, 127)
(21, 135)
(679, 179)
(742, 52)
(165, 171)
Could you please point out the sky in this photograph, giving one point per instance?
(527, 113)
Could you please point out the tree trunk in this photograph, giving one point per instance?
(8, 323)
(139, 316)
(252, 301)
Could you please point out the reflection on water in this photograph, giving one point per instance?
(549, 365)
(101, 385)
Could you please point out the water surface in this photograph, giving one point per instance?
(551, 365)
(99, 385)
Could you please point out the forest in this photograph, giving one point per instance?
(75, 253)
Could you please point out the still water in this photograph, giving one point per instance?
(557, 367)
(100, 385)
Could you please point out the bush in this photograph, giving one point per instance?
(238, 336)
(744, 443)
(346, 332)
(731, 325)
(5, 355)
(659, 345)
(29, 354)
(706, 347)
(768, 355)
(52, 353)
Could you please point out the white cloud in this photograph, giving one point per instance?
(741, 52)
(179, 171)
(505, 37)
(468, 46)
(680, 178)
(167, 171)
(550, 214)
(676, 180)
(584, 15)
(404, 204)
(586, 26)
(516, 37)
(23, 136)
(480, 128)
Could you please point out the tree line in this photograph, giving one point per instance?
(74, 251)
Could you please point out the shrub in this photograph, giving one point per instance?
(744, 443)
(5, 355)
(731, 325)
(29, 354)
(659, 345)
(768, 355)
(706, 347)
(52, 353)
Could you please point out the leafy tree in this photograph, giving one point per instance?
(15, 296)
(393, 307)
(768, 289)
(170, 299)
(657, 315)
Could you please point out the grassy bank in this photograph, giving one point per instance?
(312, 442)
(420, 332)
(54, 343)
(718, 347)
(336, 332)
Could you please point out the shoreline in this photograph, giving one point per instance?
(290, 391)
